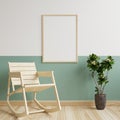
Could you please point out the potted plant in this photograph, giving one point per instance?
(99, 72)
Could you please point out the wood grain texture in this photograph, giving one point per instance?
(67, 113)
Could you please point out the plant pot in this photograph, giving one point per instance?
(100, 101)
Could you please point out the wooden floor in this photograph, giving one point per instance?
(68, 113)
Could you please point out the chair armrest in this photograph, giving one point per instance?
(44, 73)
(15, 78)
(15, 74)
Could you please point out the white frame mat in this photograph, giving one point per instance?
(59, 38)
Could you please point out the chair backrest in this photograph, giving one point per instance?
(28, 70)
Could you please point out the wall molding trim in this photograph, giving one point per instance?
(65, 103)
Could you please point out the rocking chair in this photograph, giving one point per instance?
(26, 77)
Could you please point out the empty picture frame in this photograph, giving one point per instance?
(59, 38)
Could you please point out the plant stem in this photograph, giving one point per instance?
(105, 83)
(93, 76)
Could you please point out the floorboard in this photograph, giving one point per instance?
(67, 113)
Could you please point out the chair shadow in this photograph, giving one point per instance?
(8, 114)
(4, 110)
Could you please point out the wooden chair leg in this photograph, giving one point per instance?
(25, 102)
(57, 98)
(56, 92)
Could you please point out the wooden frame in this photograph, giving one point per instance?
(27, 77)
(59, 38)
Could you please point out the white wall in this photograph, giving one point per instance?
(98, 30)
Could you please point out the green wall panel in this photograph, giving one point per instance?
(73, 79)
